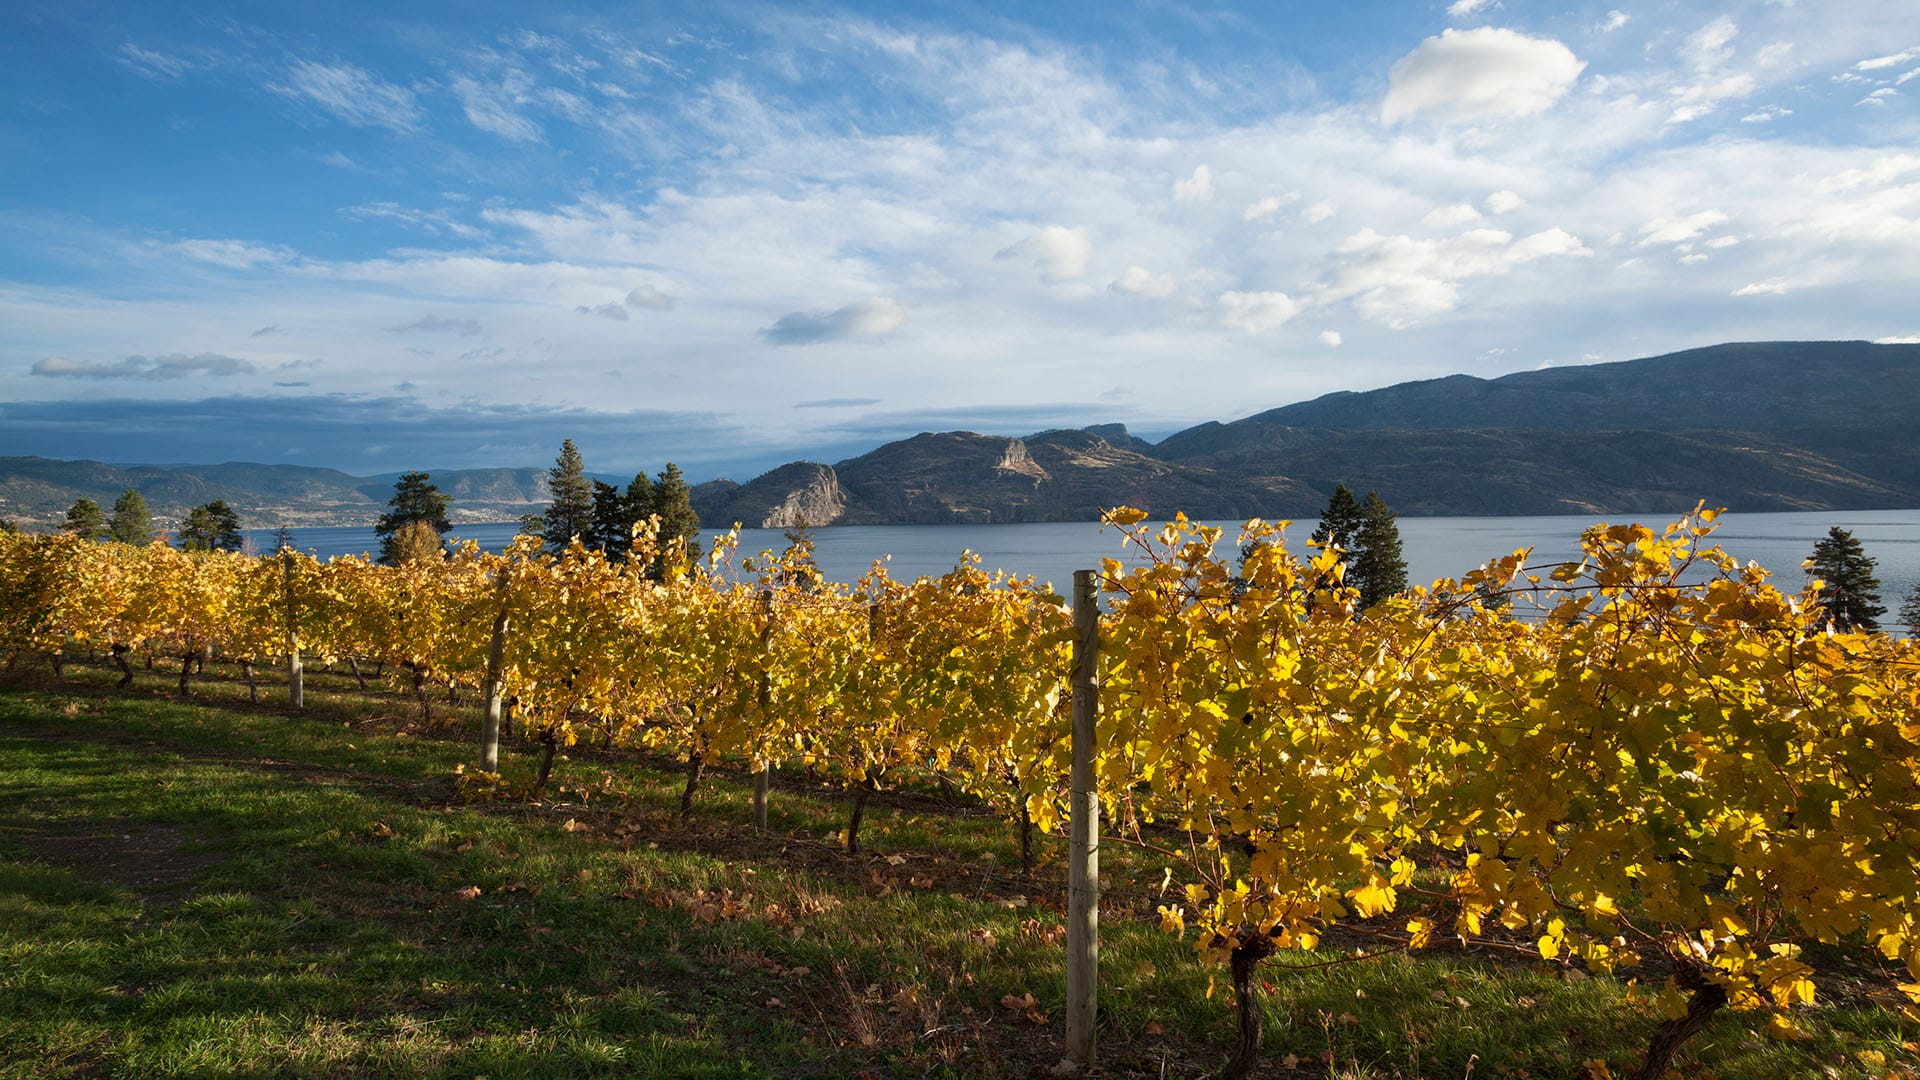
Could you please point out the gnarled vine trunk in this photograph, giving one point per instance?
(1708, 998)
(1246, 957)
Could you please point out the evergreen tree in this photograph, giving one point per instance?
(282, 539)
(612, 530)
(415, 498)
(639, 498)
(1910, 610)
(1378, 564)
(570, 514)
(673, 501)
(213, 527)
(1340, 525)
(1851, 596)
(86, 520)
(131, 523)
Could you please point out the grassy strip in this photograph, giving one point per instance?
(207, 889)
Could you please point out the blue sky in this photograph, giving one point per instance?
(733, 234)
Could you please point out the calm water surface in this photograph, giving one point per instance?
(1435, 547)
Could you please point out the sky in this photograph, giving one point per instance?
(381, 237)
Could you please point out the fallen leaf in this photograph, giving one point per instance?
(467, 892)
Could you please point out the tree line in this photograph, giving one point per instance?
(599, 515)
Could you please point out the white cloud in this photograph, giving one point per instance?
(610, 310)
(1770, 287)
(1878, 97)
(1615, 20)
(1060, 253)
(1462, 8)
(1319, 212)
(1486, 73)
(1330, 338)
(1696, 257)
(1892, 60)
(867, 319)
(1904, 339)
(151, 64)
(1139, 281)
(232, 254)
(1721, 243)
(144, 369)
(494, 108)
(1196, 188)
(1256, 312)
(1450, 217)
(1264, 208)
(1770, 113)
(1398, 280)
(1712, 45)
(1501, 202)
(650, 298)
(351, 94)
(1663, 230)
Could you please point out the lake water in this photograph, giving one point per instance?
(1434, 547)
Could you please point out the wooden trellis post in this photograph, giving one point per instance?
(1083, 863)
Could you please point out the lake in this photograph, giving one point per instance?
(1434, 547)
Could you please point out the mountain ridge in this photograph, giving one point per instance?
(1751, 426)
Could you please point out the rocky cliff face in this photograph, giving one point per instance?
(802, 492)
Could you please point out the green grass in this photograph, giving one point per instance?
(212, 889)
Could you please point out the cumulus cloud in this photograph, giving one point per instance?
(1501, 202)
(1256, 312)
(867, 319)
(650, 298)
(1485, 73)
(1060, 253)
(1139, 281)
(1195, 188)
(1319, 212)
(1769, 287)
(142, 368)
(351, 94)
(1330, 338)
(1450, 217)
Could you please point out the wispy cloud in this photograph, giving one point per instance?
(151, 63)
(144, 369)
(438, 324)
(351, 94)
(837, 403)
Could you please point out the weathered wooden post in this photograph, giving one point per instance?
(296, 676)
(1083, 863)
(496, 682)
(761, 776)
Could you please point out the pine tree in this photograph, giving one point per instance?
(415, 498)
(611, 531)
(1378, 564)
(1340, 525)
(131, 523)
(673, 504)
(86, 520)
(570, 514)
(1910, 610)
(415, 541)
(1851, 596)
(213, 527)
